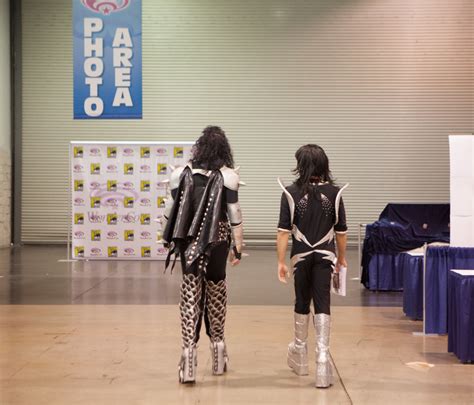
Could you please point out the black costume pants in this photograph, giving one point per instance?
(313, 282)
(215, 271)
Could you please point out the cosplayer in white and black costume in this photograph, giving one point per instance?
(313, 212)
(202, 219)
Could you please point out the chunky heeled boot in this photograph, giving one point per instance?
(322, 324)
(298, 349)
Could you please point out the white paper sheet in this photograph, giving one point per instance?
(342, 282)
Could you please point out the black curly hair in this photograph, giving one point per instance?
(312, 166)
(212, 150)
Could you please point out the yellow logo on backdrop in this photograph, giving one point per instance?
(79, 251)
(145, 219)
(146, 251)
(111, 152)
(145, 152)
(111, 185)
(78, 151)
(160, 202)
(128, 202)
(145, 185)
(95, 168)
(95, 202)
(129, 235)
(95, 235)
(112, 219)
(78, 185)
(128, 168)
(79, 219)
(112, 251)
(162, 168)
(178, 152)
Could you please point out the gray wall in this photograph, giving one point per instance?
(5, 125)
(379, 84)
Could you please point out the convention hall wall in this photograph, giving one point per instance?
(379, 84)
(5, 125)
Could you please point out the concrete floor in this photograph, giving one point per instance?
(112, 349)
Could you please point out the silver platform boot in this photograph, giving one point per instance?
(322, 324)
(191, 291)
(216, 302)
(298, 349)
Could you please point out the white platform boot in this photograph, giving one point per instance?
(298, 349)
(322, 324)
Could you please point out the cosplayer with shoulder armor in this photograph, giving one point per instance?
(202, 219)
(312, 211)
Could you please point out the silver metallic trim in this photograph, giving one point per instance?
(322, 325)
(175, 177)
(231, 178)
(283, 230)
(297, 357)
(338, 201)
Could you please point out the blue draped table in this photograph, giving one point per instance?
(412, 267)
(439, 260)
(385, 272)
(461, 315)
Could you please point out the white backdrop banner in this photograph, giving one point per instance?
(117, 196)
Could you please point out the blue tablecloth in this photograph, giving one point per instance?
(461, 316)
(385, 272)
(412, 267)
(403, 227)
(439, 260)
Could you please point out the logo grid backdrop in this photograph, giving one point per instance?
(118, 195)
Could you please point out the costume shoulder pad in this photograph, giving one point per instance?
(231, 178)
(175, 177)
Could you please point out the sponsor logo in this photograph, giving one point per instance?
(146, 251)
(112, 251)
(79, 202)
(95, 235)
(112, 169)
(95, 202)
(95, 185)
(112, 235)
(78, 169)
(162, 152)
(162, 250)
(162, 168)
(128, 235)
(95, 168)
(79, 219)
(111, 202)
(145, 219)
(79, 235)
(178, 152)
(161, 186)
(78, 151)
(145, 202)
(145, 169)
(129, 219)
(95, 218)
(79, 251)
(128, 202)
(128, 185)
(96, 252)
(78, 185)
(145, 235)
(160, 202)
(112, 219)
(129, 252)
(145, 185)
(128, 152)
(106, 7)
(145, 152)
(111, 152)
(95, 152)
(128, 168)
(111, 185)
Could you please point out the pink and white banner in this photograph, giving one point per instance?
(118, 195)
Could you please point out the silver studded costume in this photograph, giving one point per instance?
(312, 219)
(200, 223)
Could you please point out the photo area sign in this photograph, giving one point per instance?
(107, 59)
(118, 197)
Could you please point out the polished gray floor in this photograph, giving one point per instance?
(36, 275)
